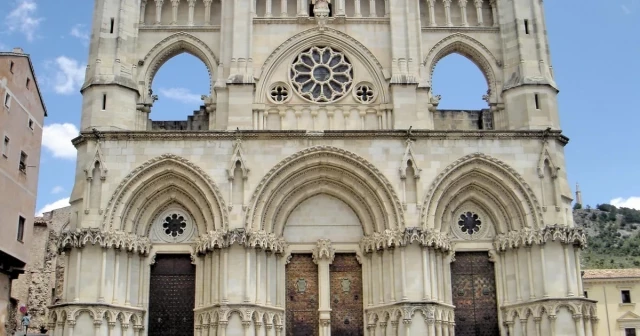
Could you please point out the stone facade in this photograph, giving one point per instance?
(323, 139)
(22, 114)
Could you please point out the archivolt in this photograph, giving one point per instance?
(175, 45)
(329, 170)
(313, 37)
(470, 48)
(486, 181)
(159, 182)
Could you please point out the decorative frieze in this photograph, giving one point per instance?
(405, 312)
(527, 237)
(549, 308)
(69, 312)
(393, 238)
(254, 239)
(106, 239)
(211, 317)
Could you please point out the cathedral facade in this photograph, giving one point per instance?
(319, 190)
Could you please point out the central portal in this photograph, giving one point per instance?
(346, 296)
(474, 295)
(172, 295)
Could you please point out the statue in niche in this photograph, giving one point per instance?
(301, 285)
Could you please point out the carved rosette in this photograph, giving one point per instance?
(106, 239)
(254, 239)
(323, 249)
(390, 239)
(527, 237)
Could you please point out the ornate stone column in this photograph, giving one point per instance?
(174, 11)
(532, 289)
(447, 12)
(577, 318)
(159, 11)
(127, 297)
(432, 13)
(567, 269)
(372, 8)
(478, 4)
(143, 7)
(552, 324)
(192, 5)
(538, 322)
(76, 296)
(207, 12)
(102, 275)
(283, 8)
(323, 255)
(356, 5)
(463, 12)
(494, 12)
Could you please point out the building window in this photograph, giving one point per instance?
(5, 146)
(629, 331)
(626, 296)
(11, 66)
(21, 221)
(23, 162)
(28, 82)
(586, 294)
(7, 100)
(31, 124)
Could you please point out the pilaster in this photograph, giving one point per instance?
(323, 255)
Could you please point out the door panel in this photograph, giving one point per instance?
(346, 296)
(172, 295)
(302, 296)
(474, 295)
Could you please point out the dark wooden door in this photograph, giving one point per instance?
(474, 295)
(302, 296)
(346, 296)
(172, 295)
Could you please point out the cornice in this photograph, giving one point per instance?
(574, 236)
(106, 239)
(328, 134)
(462, 29)
(176, 28)
(390, 239)
(253, 239)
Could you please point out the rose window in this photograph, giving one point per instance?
(469, 223)
(174, 225)
(321, 74)
(279, 93)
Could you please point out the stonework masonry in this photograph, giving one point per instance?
(323, 138)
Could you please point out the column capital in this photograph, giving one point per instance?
(463, 3)
(478, 3)
(159, 3)
(323, 249)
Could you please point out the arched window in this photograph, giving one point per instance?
(179, 86)
(462, 88)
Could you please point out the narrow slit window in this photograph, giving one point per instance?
(31, 124)
(536, 100)
(28, 82)
(526, 27)
(11, 66)
(5, 146)
(111, 28)
(21, 221)
(7, 100)
(22, 166)
(104, 101)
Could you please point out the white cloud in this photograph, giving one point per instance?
(57, 189)
(80, 31)
(182, 95)
(68, 76)
(57, 139)
(53, 206)
(23, 18)
(631, 202)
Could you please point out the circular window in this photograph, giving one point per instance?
(279, 93)
(364, 93)
(173, 226)
(469, 223)
(321, 74)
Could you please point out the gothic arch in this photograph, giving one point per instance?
(315, 36)
(470, 48)
(329, 170)
(484, 179)
(172, 46)
(165, 180)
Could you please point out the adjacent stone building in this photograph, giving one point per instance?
(22, 114)
(617, 292)
(319, 190)
(41, 284)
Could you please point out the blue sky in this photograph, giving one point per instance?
(595, 49)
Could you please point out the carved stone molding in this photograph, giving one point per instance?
(220, 314)
(566, 235)
(549, 307)
(106, 239)
(406, 311)
(254, 239)
(390, 239)
(323, 249)
(69, 312)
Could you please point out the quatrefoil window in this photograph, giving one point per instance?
(321, 74)
(364, 93)
(174, 225)
(469, 223)
(279, 93)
